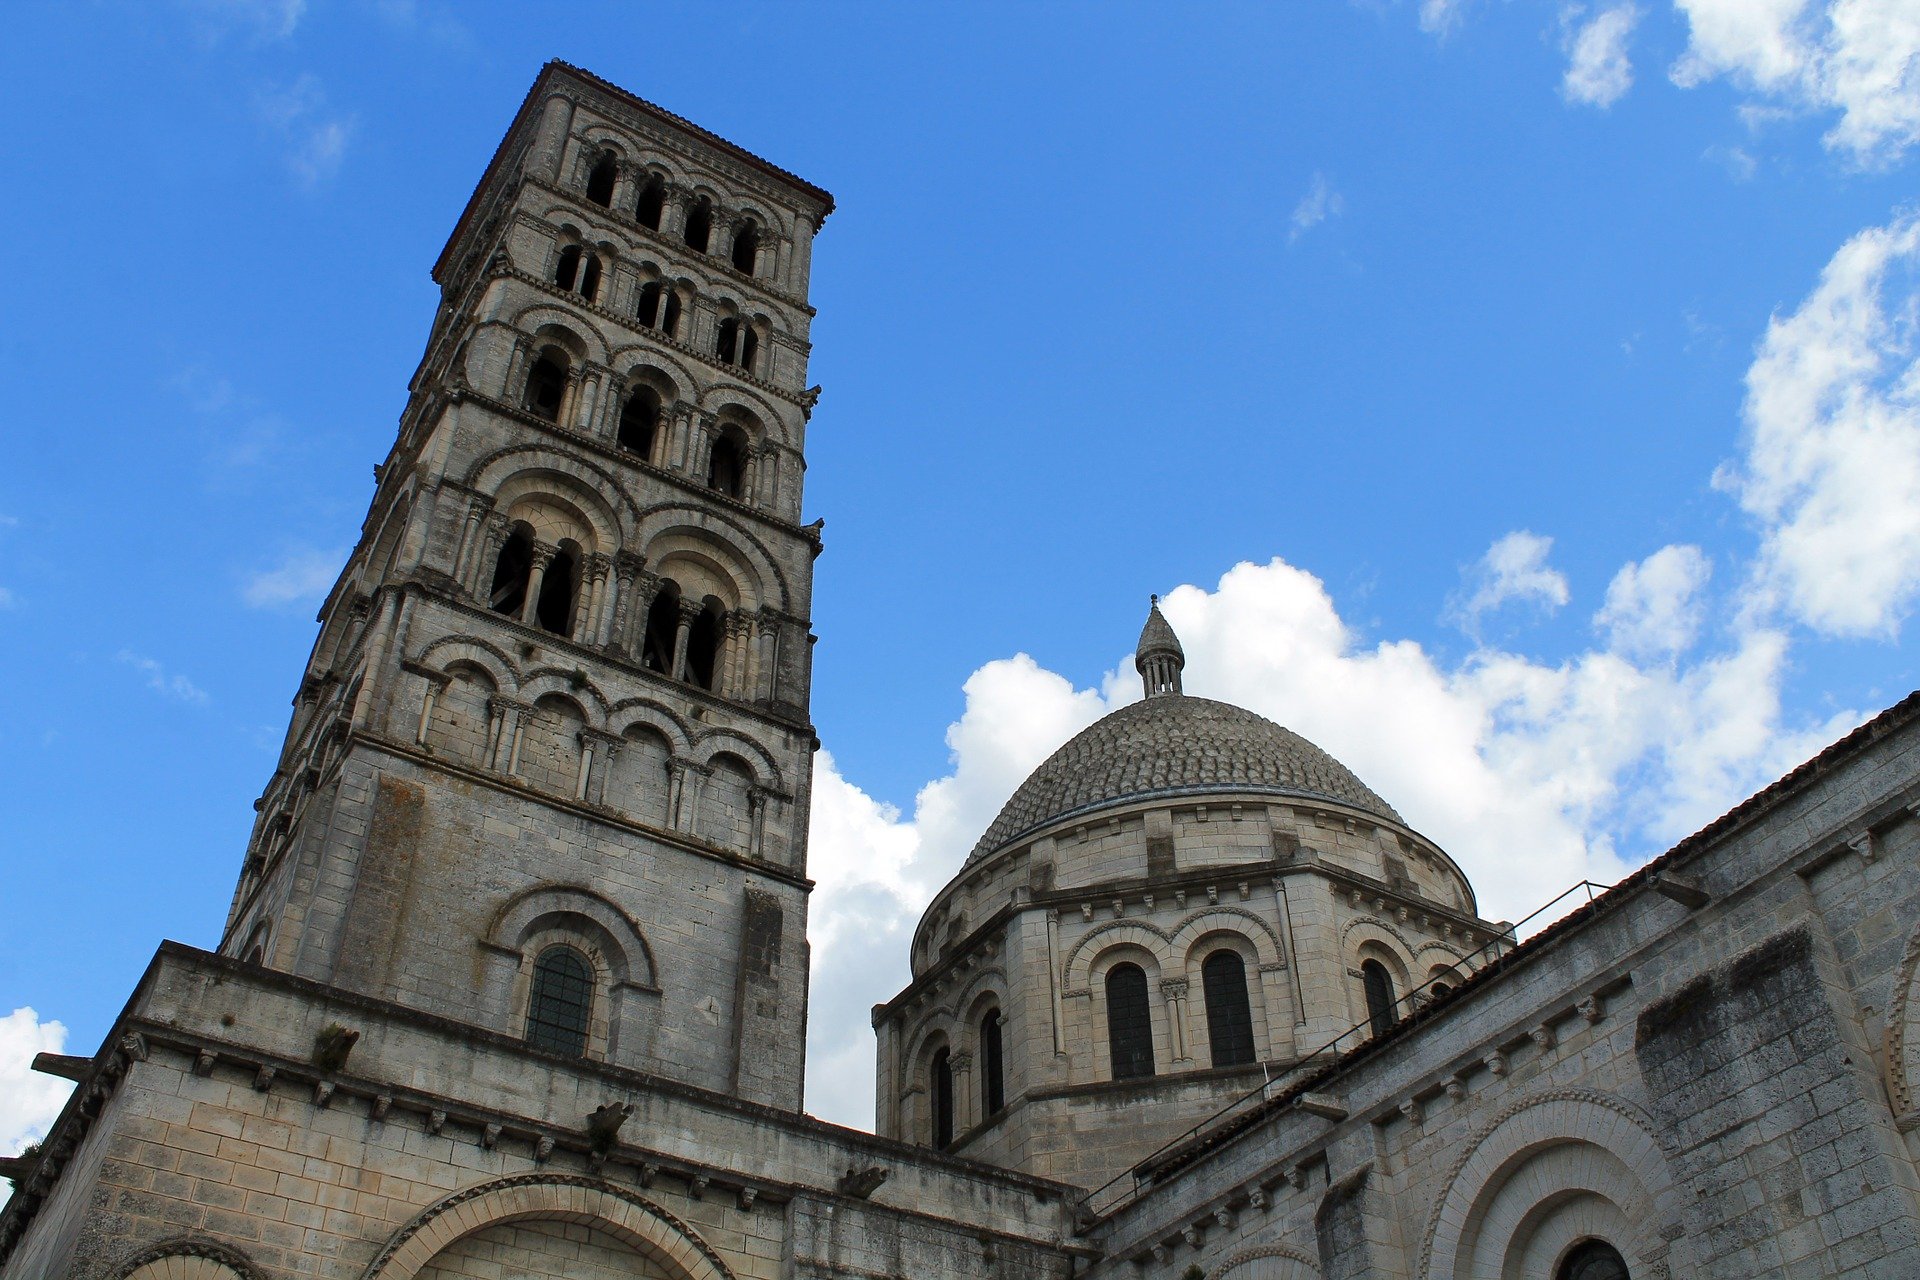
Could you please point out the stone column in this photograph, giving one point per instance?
(493, 537)
(556, 119)
(515, 390)
(543, 554)
(1287, 955)
(1174, 992)
(689, 610)
(626, 189)
(469, 534)
(586, 394)
(626, 566)
(757, 798)
(739, 633)
(595, 572)
(964, 1109)
(503, 733)
(600, 749)
(1053, 981)
(435, 683)
(633, 638)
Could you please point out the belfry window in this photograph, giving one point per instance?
(993, 1082)
(566, 269)
(1229, 1019)
(699, 228)
(577, 270)
(546, 386)
(727, 340)
(554, 610)
(510, 572)
(703, 645)
(746, 248)
(647, 311)
(727, 465)
(639, 419)
(942, 1087)
(663, 626)
(1378, 984)
(560, 1008)
(749, 346)
(1129, 1022)
(652, 202)
(590, 277)
(1592, 1260)
(670, 313)
(600, 181)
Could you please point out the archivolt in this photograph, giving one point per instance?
(214, 1257)
(1903, 1041)
(716, 741)
(1281, 1262)
(615, 1211)
(446, 651)
(1150, 938)
(492, 472)
(1227, 920)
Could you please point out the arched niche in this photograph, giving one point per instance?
(551, 914)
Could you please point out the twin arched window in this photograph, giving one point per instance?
(1229, 1018)
(578, 269)
(659, 307)
(736, 343)
(662, 649)
(560, 1006)
(1129, 1022)
(553, 595)
(650, 206)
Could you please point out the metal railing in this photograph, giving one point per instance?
(1122, 1188)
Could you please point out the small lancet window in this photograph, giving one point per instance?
(699, 228)
(727, 340)
(746, 248)
(1229, 1019)
(993, 1083)
(703, 645)
(546, 385)
(749, 346)
(567, 269)
(663, 627)
(554, 610)
(1378, 984)
(652, 202)
(1129, 1022)
(560, 1008)
(942, 1083)
(510, 573)
(1592, 1260)
(639, 419)
(727, 467)
(600, 181)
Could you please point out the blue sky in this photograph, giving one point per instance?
(1547, 368)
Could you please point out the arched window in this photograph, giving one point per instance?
(554, 610)
(670, 312)
(749, 346)
(567, 270)
(703, 645)
(727, 465)
(727, 340)
(652, 202)
(600, 181)
(547, 385)
(1129, 1022)
(647, 311)
(942, 1085)
(560, 1008)
(1229, 1019)
(699, 225)
(639, 418)
(1593, 1260)
(663, 626)
(1379, 988)
(993, 1081)
(510, 572)
(746, 247)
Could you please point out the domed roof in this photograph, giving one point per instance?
(1174, 745)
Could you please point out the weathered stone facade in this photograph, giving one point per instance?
(514, 980)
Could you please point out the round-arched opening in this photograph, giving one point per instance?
(554, 610)
(727, 464)
(746, 248)
(1223, 977)
(600, 181)
(699, 229)
(560, 1005)
(1377, 984)
(663, 627)
(726, 339)
(509, 591)
(639, 418)
(1592, 1260)
(1129, 1022)
(993, 1079)
(942, 1086)
(547, 384)
(566, 269)
(703, 644)
(652, 202)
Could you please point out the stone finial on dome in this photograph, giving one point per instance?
(1158, 657)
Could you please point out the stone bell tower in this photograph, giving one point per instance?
(549, 762)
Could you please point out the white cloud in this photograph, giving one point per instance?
(7, 598)
(1320, 203)
(1860, 58)
(303, 575)
(1526, 772)
(1599, 72)
(29, 1101)
(262, 19)
(1831, 467)
(172, 685)
(1653, 608)
(1441, 17)
(315, 138)
(1738, 162)
(1513, 569)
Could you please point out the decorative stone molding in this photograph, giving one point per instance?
(190, 1247)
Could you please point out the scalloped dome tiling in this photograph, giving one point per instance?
(1171, 746)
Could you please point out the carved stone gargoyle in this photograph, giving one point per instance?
(603, 1126)
(332, 1046)
(861, 1183)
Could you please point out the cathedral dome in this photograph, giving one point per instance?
(1175, 745)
